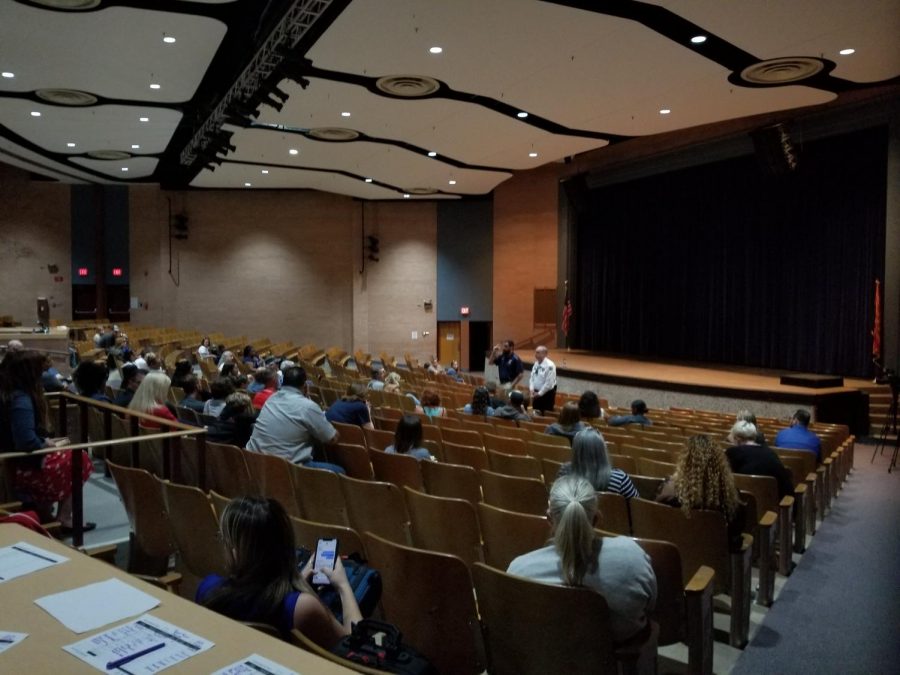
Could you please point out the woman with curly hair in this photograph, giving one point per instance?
(431, 404)
(481, 403)
(703, 480)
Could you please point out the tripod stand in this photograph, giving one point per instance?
(890, 426)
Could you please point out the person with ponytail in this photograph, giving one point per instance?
(615, 567)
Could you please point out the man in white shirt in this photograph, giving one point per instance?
(543, 381)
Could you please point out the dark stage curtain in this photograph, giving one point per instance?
(726, 263)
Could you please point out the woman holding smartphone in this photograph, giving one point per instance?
(263, 583)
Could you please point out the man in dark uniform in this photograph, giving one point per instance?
(508, 363)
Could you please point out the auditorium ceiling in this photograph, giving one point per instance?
(403, 99)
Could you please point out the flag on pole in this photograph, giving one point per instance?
(567, 313)
(876, 328)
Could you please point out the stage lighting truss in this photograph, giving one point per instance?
(252, 88)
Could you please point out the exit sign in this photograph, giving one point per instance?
(464, 311)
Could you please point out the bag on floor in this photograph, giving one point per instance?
(379, 645)
(365, 582)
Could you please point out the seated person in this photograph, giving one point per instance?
(251, 357)
(377, 381)
(615, 567)
(497, 397)
(514, 409)
(569, 422)
(747, 416)
(352, 408)
(261, 376)
(638, 416)
(481, 403)
(434, 366)
(205, 348)
(132, 376)
(219, 390)
(747, 456)
(90, 380)
(589, 407)
(193, 396)
(183, 370)
(408, 439)
(454, 371)
(590, 460)
(702, 480)
(151, 398)
(392, 383)
(799, 437)
(235, 423)
(263, 583)
(431, 404)
(270, 383)
(51, 379)
(226, 358)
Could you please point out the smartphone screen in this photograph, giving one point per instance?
(326, 553)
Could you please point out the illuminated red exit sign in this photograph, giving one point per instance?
(82, 271)
(464, 311)
(117, 271)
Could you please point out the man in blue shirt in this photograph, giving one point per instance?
(508, 364)
(799, 437)
(638, 416)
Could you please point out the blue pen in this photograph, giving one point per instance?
(118, 663)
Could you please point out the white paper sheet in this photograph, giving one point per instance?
(255, 665)
(89, 607)
(134, 637)
(22, 558)
(8, 640)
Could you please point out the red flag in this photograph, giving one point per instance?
(876, 329)
(567, 315)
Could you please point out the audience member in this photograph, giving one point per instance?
(514, 409)
(377, 381)
(392, 383)
(481, 403)
(431, 404)
(434, 366)
(219, 390)
(542, 383)
(747, 456)
(41, 480)
(90, 380)
(454, 371)
(747, 416)
(589, 406)
(150, 398)
(51, 379)
(590, 460)
(569, 422)
(205, 348)
(251, 357)
(509, 365)
(183, 370)
(408, 439)
(192, 394)
(235, 423)
(14, 346)
(799, 437)
(132, 376)
(258, 381)
(270, 386)
(290, 425)
(352, 408)
(227, 357)
(615, 567)
(498, 398)
(262, 582)
(702, 480)
(638, 416)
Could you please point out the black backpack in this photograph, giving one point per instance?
(391, 655)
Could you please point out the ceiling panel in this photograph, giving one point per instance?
(12, 153)
(134, 167)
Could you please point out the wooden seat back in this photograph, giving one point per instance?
(647, 486)
(272, 478)
(624, 462)
(350, 433)
(506, 444)
(508, 534)
(428, 596)
(227, 471)
(462, 437)
(651, 467)
(376, 507)
(524, 495)
(452, 480)
(401, 470)
(378, 438)
(195, 529)
(614, 514)
(307, 534)
(515, 465)
(556, 453)
(318, 493)
(353, 458)
(444, 525)
(529, 630)
(551, 439)
(468, 455)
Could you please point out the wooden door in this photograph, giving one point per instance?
(448, 341)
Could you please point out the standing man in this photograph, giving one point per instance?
(291, 426)
(508, 364)
(543, 381)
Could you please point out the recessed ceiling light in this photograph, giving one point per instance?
(135, 146)
(345, 114)
(7, 74)
(35, 113)
(451, 182)
(293, 151)
(843, 52)
(405, 196)
(144, 119)
(124, 168)
(168, 39)
(264, 171)
(432, 154)
(532, 154)
(70, 145)
(436, 50)
(247, 184)
(522, 115)
(664, 111)
(368, 180)
(698, 39)
(154, 86)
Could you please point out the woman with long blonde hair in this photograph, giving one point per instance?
(150, 398)
(615, 567)
(703, 480)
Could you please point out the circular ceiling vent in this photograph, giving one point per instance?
(71, 97)
(68, 4)
(112, 155)
(337, 134)
(782, 70)
(408, 86)
(421, 191)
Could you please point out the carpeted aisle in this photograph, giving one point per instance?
(839, 612)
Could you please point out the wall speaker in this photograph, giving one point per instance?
(775, 150)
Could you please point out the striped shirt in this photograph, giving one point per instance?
(619, 482)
